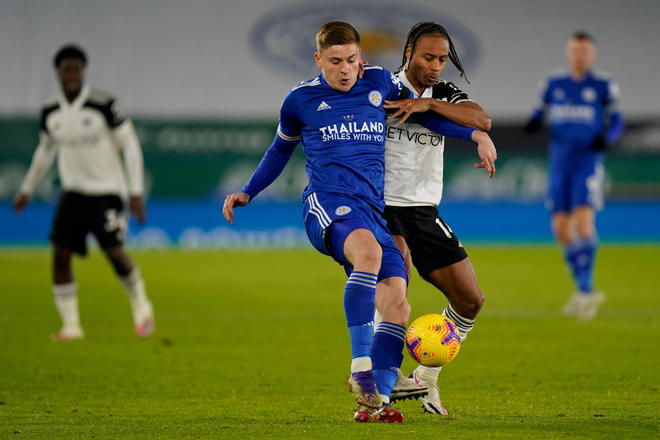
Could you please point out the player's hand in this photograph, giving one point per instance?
(138, 208)
(533, 126)
(361, 69)
(20, 202)
(599, 144)
(406, 107)
(234, 200)
(486, 150)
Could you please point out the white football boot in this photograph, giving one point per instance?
(143, 318)
(69, 332)
(405, 388)
(584, 306)
(431, 403)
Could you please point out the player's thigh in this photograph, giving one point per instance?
(71, 223)
(433, 244)
(109, 223)
(395, 220)
(562, 226)
(458, 283)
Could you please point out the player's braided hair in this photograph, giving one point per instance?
(430, 28)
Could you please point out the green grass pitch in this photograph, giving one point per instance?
(254, 345)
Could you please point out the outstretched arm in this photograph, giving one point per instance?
(42, 159)
(465, 113)
(445, 127)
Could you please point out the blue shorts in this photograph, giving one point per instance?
(578, 186)
(324, 214)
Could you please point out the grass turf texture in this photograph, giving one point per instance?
(254, 345)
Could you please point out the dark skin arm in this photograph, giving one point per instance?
(138, 208)
(465, 113)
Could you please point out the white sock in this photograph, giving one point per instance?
(134, 286)
(136, 290)
(463, 325)
(360, 364)
(66, 301)
(428, 374)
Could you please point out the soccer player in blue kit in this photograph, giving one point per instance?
(340, 121)
(584, 119)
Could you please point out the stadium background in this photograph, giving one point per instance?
(203, 82)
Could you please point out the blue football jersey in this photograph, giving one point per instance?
(342, 133)
(578, 112)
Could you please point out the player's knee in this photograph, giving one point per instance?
(119, 260)
(562, 233)
(585, 229)
(470, 306)
(370, 256)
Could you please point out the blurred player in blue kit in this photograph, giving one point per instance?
(340, 121)
(584, 120)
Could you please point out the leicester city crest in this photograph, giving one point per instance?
(589, 94)
(375, 98)
(342, 210)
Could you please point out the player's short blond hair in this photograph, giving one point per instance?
(336, 33)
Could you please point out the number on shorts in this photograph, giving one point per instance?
(115, 221)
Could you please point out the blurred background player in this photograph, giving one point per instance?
(340, 121)
(86, 129)
(414, 183)
(584, 120)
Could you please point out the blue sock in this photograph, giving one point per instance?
(360, 305)
(580, 255)
(387, 355)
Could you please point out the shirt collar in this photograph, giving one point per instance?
(79, 101)
(427, 93)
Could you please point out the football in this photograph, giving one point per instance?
(433, 340)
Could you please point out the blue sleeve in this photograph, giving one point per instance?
(442, 125)
(280, 151)
(615, 129)
(536, 118)
(393, 86)
(270, 167)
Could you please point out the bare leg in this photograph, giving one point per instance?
(459, 284)
(62, 273)
(121, 262)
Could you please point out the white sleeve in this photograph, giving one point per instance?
(41, 161)
(125, 137)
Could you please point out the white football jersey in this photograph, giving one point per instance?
(414, 154)
(88, 136)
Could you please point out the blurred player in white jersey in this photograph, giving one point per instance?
(87, 131)
(584, 119)
(413, 185)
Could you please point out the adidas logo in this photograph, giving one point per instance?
(323, 106)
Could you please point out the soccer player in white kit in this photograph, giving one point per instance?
(413, 185)
(87, 131)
